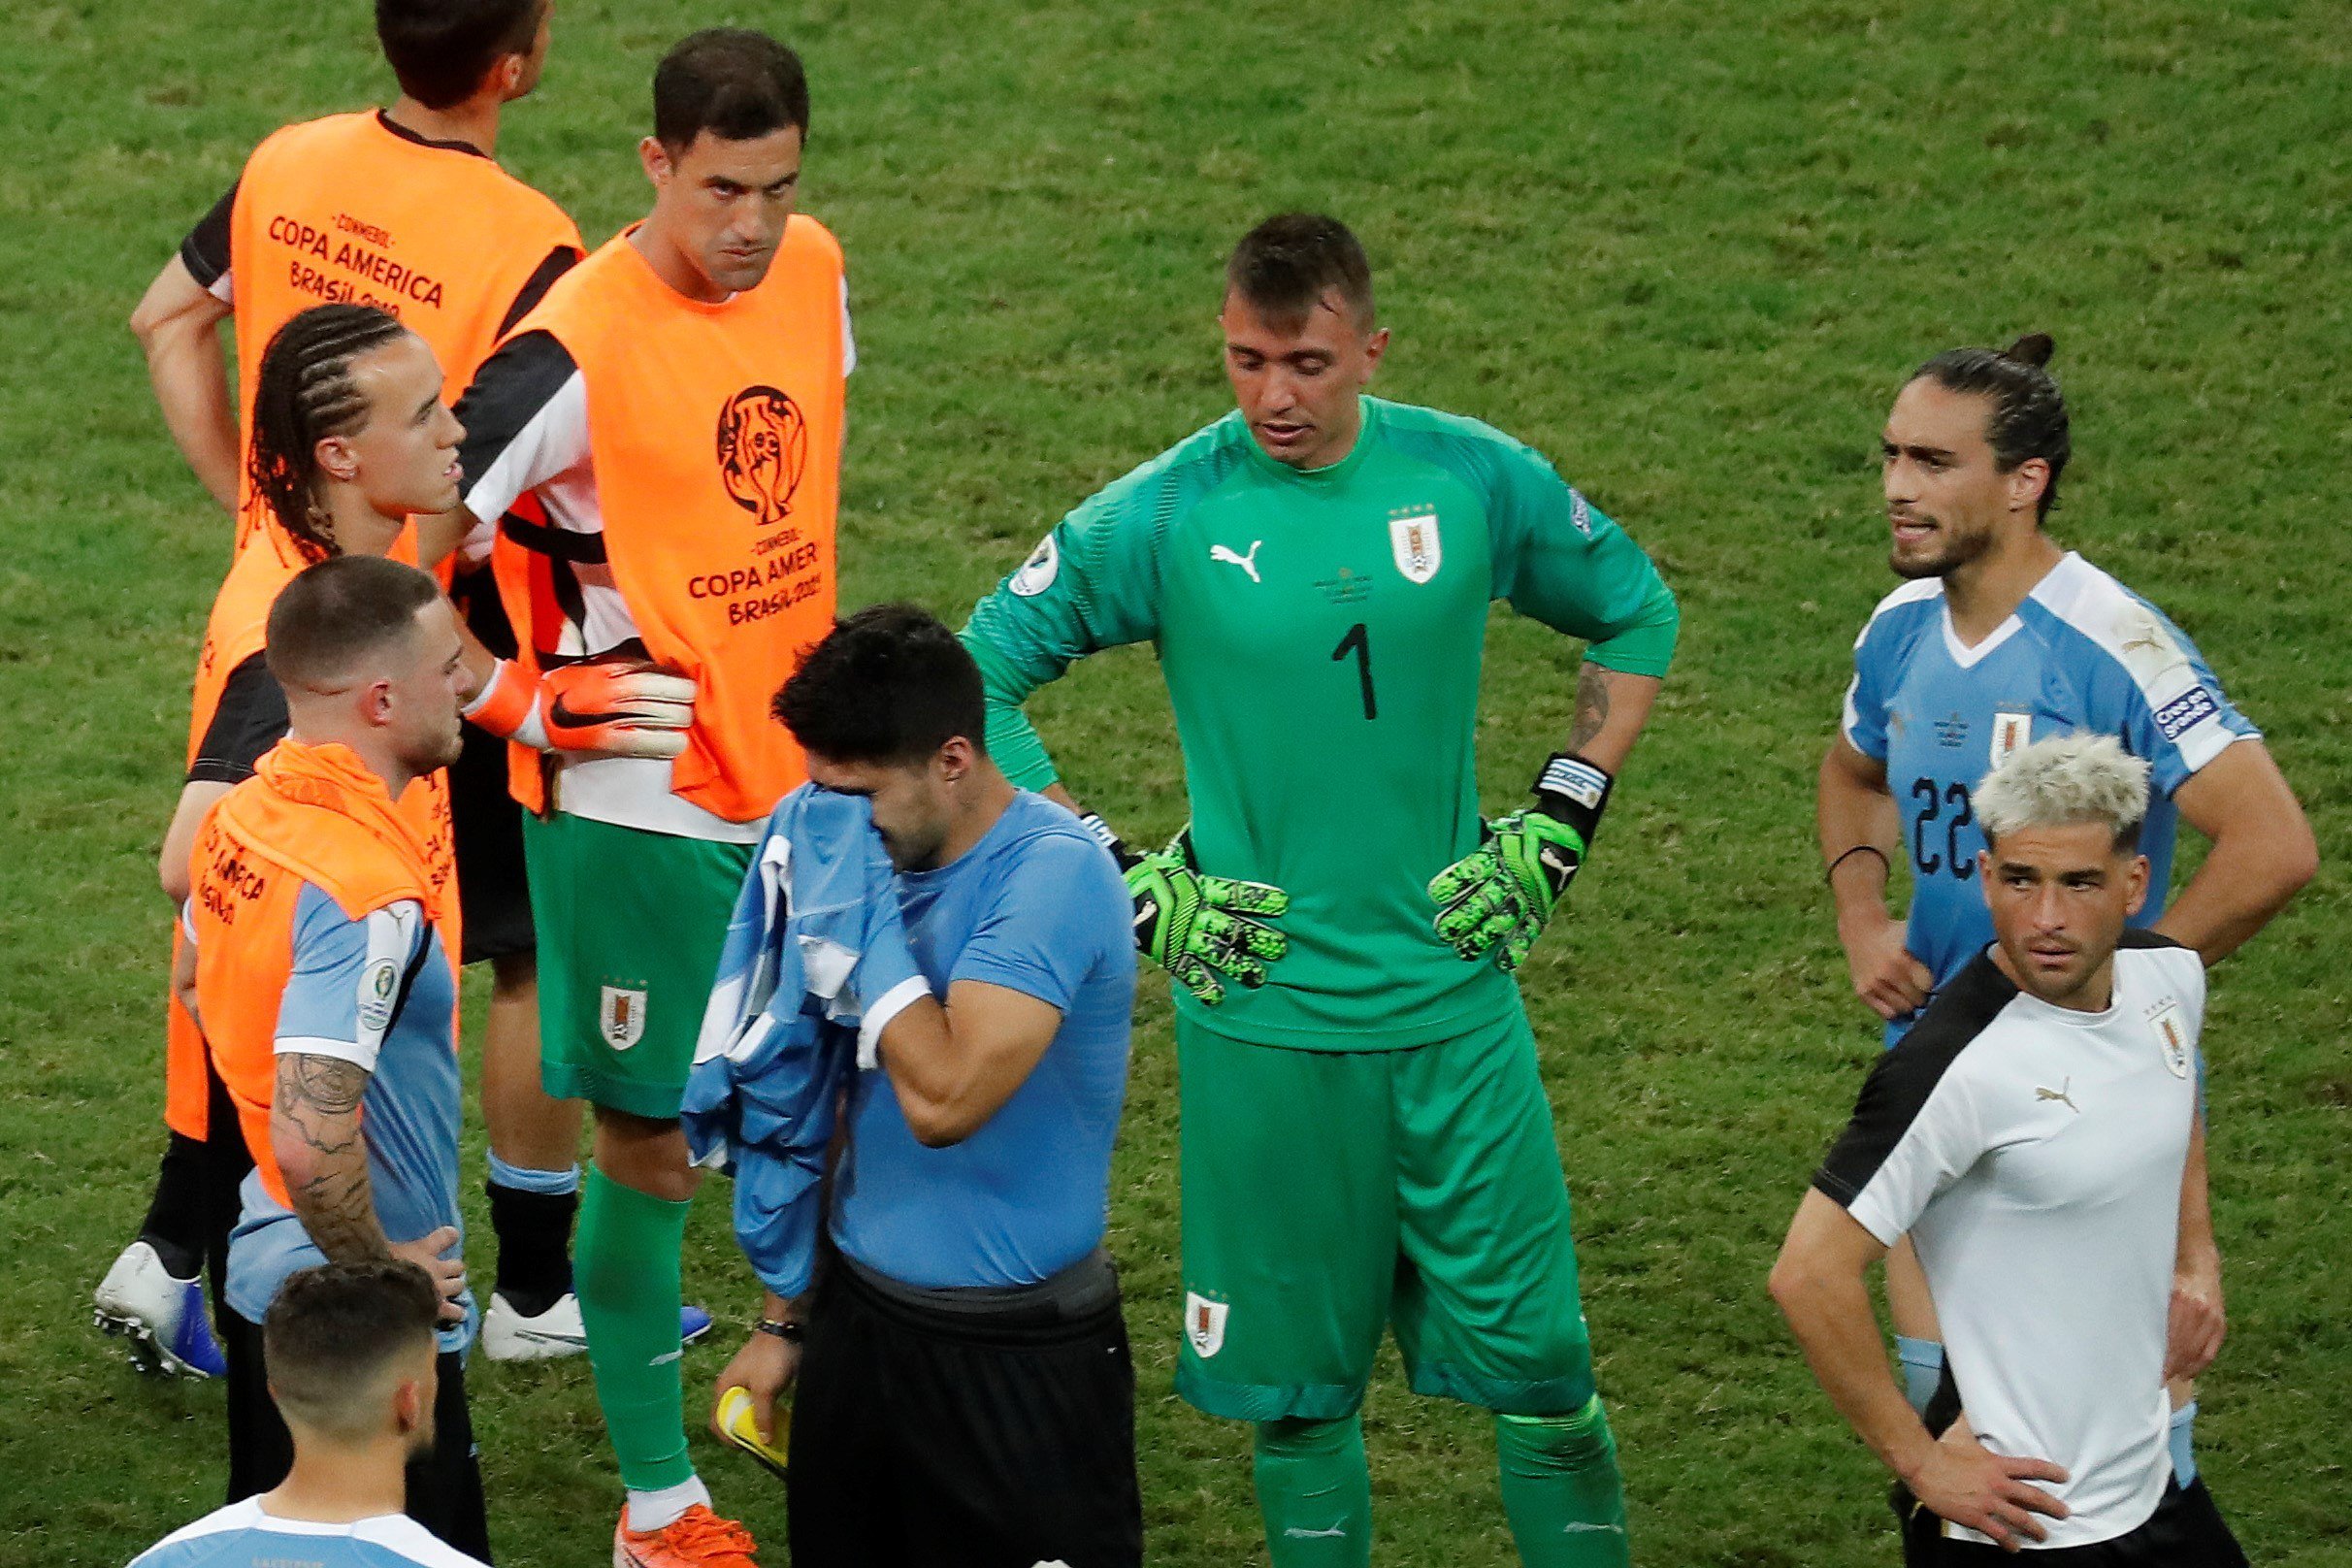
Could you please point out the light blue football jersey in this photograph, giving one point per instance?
(414, 1093)
(243, 1536)
(2081, 653)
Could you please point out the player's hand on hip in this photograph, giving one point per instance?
(611, 707)
(1497, 900)
(764, 1368)
(1968, 1484)
(1205, 930)
(2195, 1323)
(1885, 973)
(448, 1273)
(617, 708)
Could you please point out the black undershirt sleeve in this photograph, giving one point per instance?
(561, 260)
(250, 719)
(1901, 1080)
(204, 253)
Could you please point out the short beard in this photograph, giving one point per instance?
(1959, 550)
(907, 855)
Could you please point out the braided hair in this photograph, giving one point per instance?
(2029, 412)
(303, 395)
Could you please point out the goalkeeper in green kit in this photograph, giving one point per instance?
(1366, 1141)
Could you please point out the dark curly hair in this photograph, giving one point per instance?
(890, 685)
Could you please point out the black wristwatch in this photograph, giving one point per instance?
(789, 1332)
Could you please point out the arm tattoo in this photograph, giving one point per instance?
(1592, 704)
(317, 1106)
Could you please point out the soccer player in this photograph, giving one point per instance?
(351, 1355)
(1997, 638)
(1315, 570)
(2032, 1133)
(316, 966)
(965, 1399)
(350, 438)
(676, 406)
(406, 209)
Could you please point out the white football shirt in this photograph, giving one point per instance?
(2034, 1156)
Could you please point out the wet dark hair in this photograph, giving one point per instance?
(1286, 265)
(2029, 412)
(890, 685)
(330, 1327)
(334, 614)
(442, 50)
(731, 82)
(302, 394)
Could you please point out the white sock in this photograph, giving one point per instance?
(658, 1510)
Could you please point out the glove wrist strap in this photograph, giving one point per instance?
(1108, 840)
(1573, 791)
(507, 704)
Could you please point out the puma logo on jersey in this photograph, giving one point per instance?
(1248, 562)
(2063, 1095)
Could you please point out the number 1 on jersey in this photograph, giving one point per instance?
(1358, 642)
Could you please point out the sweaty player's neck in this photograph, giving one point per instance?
(474, 122)
(340, 1486)
(2095, 996)
(1985, 592)
(651, 241)
(359, 528)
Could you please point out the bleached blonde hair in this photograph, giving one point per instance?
(2066, 779)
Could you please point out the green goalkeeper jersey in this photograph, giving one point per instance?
(1320, 634)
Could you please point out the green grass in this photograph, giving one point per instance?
(1688, 248)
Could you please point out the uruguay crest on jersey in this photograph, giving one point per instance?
(1414, 537)
(2172, 1033)
(1204, 1323)
(621, 1017)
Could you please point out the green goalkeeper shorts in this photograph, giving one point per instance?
(629, 926)
(1327, 1196)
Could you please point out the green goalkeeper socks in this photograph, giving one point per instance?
(625, 1265)
(1315, 1491)
(1561, 1490)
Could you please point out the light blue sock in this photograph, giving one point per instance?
(2183, 1440)
(1923, 1369)
(519, 1179)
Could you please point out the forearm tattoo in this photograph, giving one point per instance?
(1591, 706)
(318, 1101)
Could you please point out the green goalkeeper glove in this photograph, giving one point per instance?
(1204, 931)
(1497, 898)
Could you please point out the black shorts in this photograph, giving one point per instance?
(492, 895)
(2186, 1532)
(963, 1440)
(445, 1486)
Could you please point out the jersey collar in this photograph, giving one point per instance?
(387, 122)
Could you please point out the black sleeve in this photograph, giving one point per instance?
(250, 719)
(206, 251)
(1904, 1079)
(512, 444)
(561, 260)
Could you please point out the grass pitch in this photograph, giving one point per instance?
(1689, 249)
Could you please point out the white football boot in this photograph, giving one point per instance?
(161, 1315)
(510, 1336)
